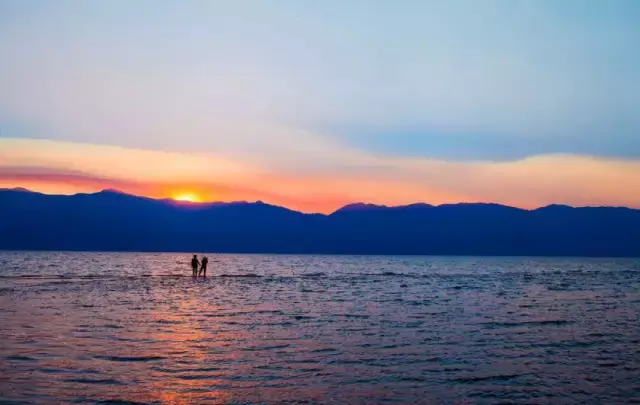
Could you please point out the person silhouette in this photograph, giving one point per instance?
(194, 265)
(203, 266)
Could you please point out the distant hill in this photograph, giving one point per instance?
(114, 221)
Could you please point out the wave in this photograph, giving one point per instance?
(107, 381)
(497, 377)
(558, 322)
(20, 358)
(84, 276)
(130, 358)
(316, 275)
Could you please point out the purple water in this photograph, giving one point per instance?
(137, 328)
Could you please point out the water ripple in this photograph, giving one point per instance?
(139, 329)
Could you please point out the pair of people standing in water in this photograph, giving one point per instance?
(195, 263)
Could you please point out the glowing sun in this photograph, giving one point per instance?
(189, 197)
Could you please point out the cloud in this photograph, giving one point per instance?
(529, 183)
(55, 181)
(313, 106)
(273, 80)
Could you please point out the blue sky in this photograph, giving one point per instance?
(295, 85)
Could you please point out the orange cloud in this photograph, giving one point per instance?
(51, 182)
(62, 167)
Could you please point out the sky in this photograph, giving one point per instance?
(313, 105)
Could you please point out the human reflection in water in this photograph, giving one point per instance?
(194, 265)
(203, 266)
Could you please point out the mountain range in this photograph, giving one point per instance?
(113, 221)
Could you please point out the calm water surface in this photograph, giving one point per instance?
(137, 328)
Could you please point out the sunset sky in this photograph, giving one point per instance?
(315, 104)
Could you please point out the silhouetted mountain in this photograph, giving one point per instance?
(111, 220)
(22, 189)
(361, 207)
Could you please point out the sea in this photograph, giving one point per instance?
(137, 328)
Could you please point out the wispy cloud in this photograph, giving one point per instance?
(531, 182)
(424, 78)
(525, 103)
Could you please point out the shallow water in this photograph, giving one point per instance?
(100, 327)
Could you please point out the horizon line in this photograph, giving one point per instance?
(361, 203)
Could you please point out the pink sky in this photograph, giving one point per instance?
(67, 168)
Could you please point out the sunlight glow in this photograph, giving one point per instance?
(189, 197)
